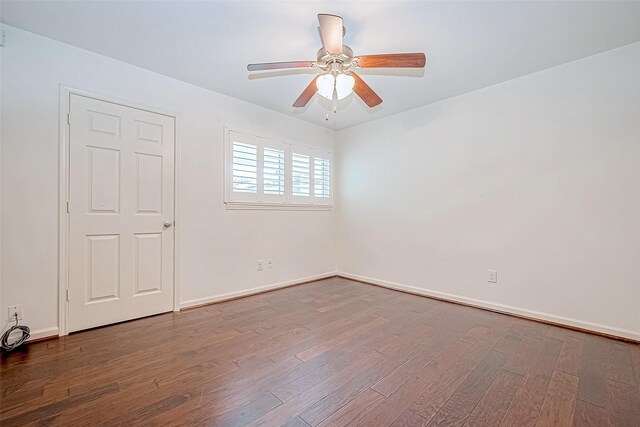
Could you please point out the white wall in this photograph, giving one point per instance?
(219, 247)
(537, 177)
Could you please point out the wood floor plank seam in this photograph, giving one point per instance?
(330, 353)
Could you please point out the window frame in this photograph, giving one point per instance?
(259, 200)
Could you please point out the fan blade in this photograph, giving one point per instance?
(365, 92)
(307, 94)
(331, 32)
(278, 65)
(397, 60)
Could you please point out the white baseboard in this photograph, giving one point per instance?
(252, 291)
(536, 315)
(44, 333)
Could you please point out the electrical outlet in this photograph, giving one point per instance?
(493, 276)
(260, 265)
(269, 264)
(15, 309)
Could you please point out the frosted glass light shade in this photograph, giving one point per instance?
(325, 84)
(344, 85)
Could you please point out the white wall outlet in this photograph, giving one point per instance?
(15, 309)
(493, 276)
(260, 265)
(269, 264)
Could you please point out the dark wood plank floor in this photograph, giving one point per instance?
(328, 353)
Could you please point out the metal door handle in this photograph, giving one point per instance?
(168, 224)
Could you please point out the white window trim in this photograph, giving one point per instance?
(289, 202)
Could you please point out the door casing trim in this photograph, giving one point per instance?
(63, 197)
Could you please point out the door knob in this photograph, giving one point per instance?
(168, 224)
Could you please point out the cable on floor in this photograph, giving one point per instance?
(25, 333)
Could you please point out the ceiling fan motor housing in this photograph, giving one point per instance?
(343, 59)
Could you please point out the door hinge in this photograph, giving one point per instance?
(68, 294)
(68, 207)
(69, 119)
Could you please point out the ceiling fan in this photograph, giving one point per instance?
(336, 63)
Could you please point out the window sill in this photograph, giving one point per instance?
(276, 206)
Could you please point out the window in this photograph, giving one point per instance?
(322, 178)
(310, 176)
(245, 168)
(266, 173)
(300, 175)
(273, 171)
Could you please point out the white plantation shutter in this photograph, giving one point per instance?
(322, 179)
(273, 171)
(310, 176)
(300, 175)
(266, 172)
(245, 168)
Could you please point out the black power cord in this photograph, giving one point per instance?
(25, 334)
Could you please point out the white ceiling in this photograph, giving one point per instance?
(469, 45)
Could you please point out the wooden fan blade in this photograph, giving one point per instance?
(307, 94)
(278, 65)
(397, 60)
(331, 32)
(365, 92)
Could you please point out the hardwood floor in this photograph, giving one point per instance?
(328, 353)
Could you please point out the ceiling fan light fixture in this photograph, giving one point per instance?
(344, 85)
(325, 84)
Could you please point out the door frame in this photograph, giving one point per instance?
(63, 190)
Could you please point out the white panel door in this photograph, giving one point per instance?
(121, 234)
